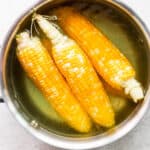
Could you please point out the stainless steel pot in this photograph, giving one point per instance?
(30, 117)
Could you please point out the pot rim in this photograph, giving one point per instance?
(85, 143)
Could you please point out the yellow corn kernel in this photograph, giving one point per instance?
(80, 75)
(40, 67)
(109, 62)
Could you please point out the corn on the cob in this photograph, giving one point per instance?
(80, 74)
(40, 67)
(110, 63)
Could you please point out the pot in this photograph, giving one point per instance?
(19, 93)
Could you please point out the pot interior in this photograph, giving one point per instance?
(118, 27)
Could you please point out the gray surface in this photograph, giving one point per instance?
(14, 137)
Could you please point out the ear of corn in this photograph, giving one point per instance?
(109, 62)
(85, 84)
(40, 67)
(80, 75)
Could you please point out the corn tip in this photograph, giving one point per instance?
(134, 89)
(22, 35)
(137, 94)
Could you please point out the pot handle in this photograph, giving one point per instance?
(1, 100)
(1, 97)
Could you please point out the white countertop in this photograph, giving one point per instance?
(15, 137)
